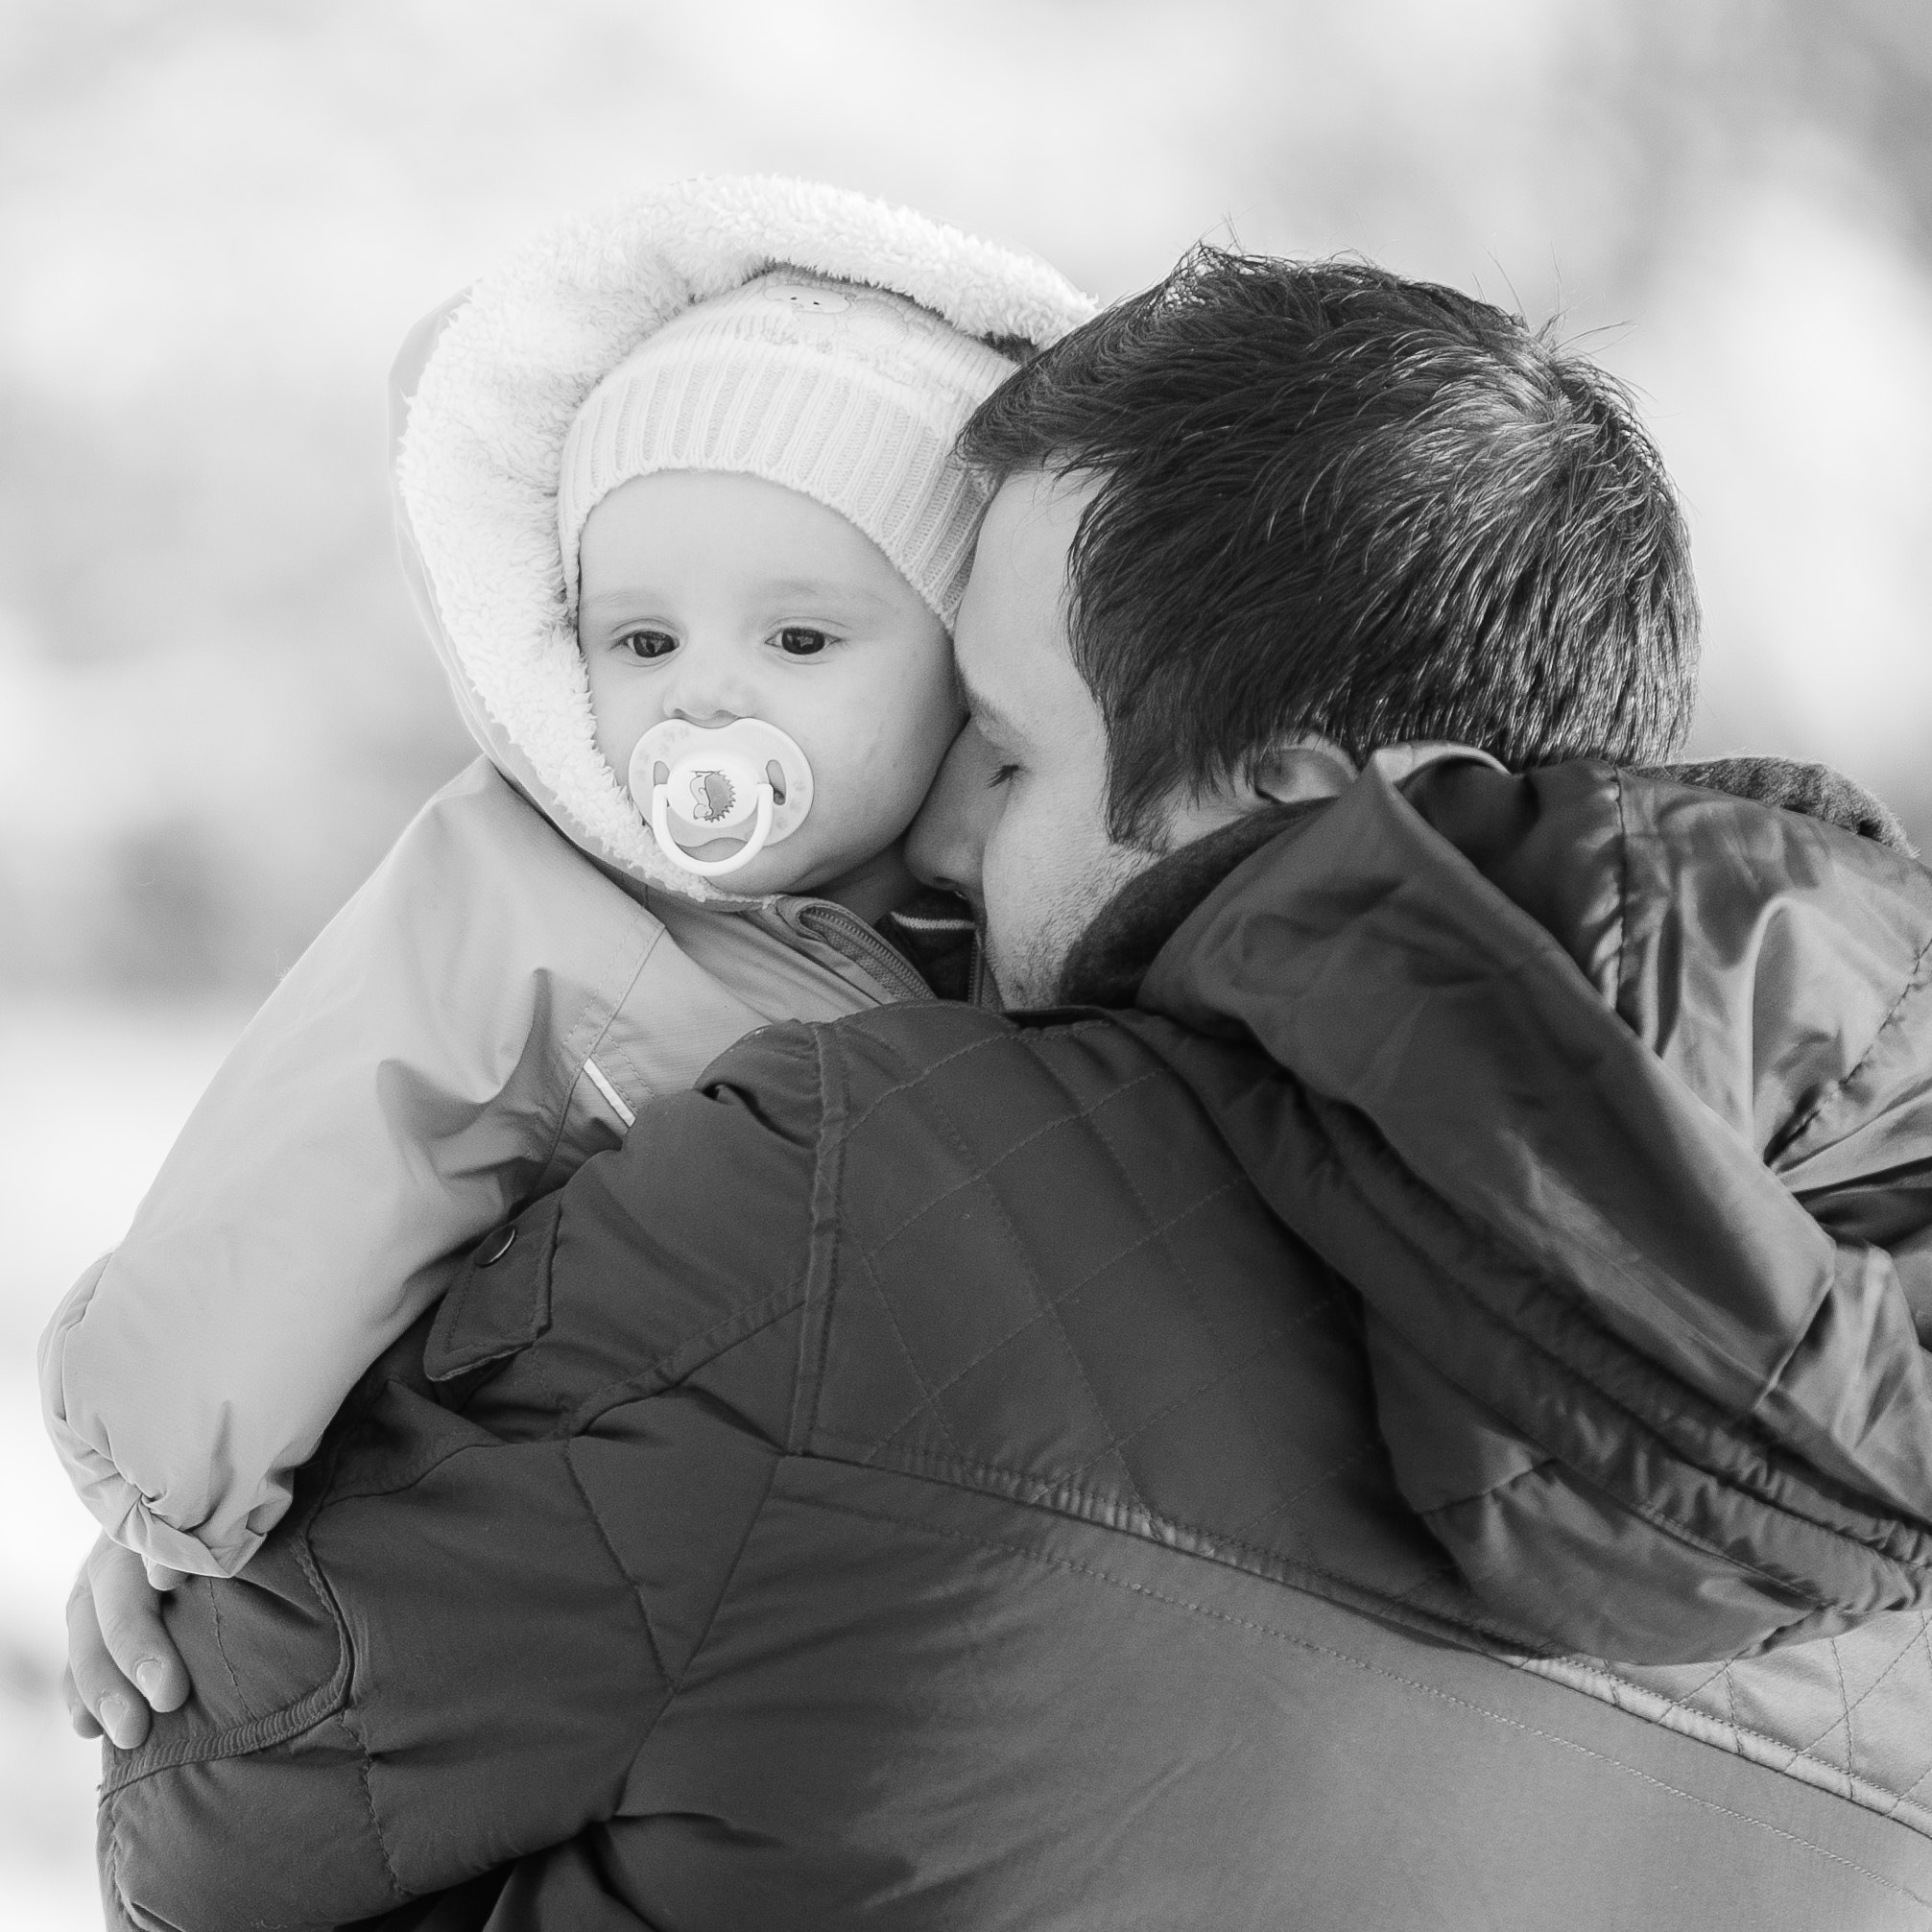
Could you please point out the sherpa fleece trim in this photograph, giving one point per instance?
(478, 464)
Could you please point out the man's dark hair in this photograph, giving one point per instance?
(1334, 500)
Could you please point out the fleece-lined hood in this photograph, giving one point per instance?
(483, 395)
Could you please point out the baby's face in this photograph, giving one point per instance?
(711, 597)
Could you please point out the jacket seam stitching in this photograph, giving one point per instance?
(1159, 1231)
(1845, 1699)
(364, 1772)
(673, 1686)
(1074, 1565)
(1040, 1315)
(610, 1550)
(222, 1651)
(1012, 1151)
(1909, 1795)
(1048, 1302)
(294, 1719)
(572, 1059)
(676, 1685)
(1915, 981)
(1323, 1310)
(917, 1076)
(1622, 897)
(1852, 1703)
(1588, 1667)
(617, 1006)
(673, 1371)
(822, 1257)
(993, 1478)
(929, 1403)
(926, 1068)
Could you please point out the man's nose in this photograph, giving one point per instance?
(949, 835)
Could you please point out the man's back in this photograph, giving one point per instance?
(919, 1481)
(1051, 1288)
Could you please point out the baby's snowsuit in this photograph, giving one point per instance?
(524, 970)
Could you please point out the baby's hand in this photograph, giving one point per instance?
(121, 1667)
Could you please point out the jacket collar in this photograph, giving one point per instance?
(1112, 957)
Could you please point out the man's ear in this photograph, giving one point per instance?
(1301, 768)
(1296, 769)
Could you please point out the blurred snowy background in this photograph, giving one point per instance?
(218, 218)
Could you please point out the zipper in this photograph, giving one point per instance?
(837, 926)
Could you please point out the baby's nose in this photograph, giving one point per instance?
(711, 687)
(710, 698)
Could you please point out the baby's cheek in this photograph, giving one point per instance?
(617, 724)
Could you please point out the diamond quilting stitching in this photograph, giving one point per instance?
(1921, 1646)
(1850, 1704)
(922, 1072)
(1182, 1270)
(1225, 1373)
(1040, 1312)
(1046, 1302)
(1698, 1690)
(1046, 1310)
(1230, 1370)
(1875, 1774)
(995, 1162)
(1844, 1705)
(1305, 1488)
(927, 1403)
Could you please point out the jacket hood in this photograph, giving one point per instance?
(1611, 1097)
(483, 393)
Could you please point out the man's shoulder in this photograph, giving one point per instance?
(798, 1069)
(953, 1075)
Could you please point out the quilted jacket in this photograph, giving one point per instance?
(1295, 1452)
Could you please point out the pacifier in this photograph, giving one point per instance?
(695, 783)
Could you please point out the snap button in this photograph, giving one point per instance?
(496, 1246)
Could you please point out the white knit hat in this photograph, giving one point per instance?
(849, 395)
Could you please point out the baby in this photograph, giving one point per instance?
(678, 500)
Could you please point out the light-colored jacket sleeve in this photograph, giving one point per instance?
(418, 1072)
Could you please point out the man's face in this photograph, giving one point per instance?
(1017, 821)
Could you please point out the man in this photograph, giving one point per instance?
(1181, 1457)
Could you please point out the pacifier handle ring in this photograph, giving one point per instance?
(709, 869)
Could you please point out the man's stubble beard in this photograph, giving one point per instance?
(1027, 970)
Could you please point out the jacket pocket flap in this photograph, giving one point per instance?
(500, 1303)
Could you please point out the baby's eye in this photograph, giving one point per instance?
(648, 644)
(1003, 775)
(800, 640)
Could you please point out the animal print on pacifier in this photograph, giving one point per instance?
(695, 783)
